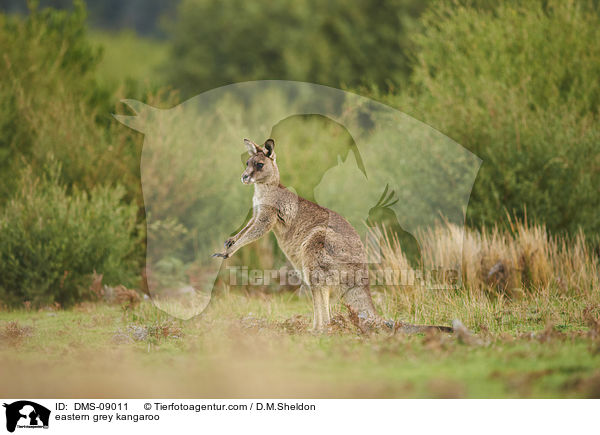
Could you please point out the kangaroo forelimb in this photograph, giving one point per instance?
(258, 227)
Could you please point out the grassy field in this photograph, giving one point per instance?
(260, 345)
(530, 294)
(127, 56)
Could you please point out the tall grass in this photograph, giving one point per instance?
(522, 258)
(506, 275)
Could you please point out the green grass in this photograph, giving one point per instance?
(129, 56)
(249, 346)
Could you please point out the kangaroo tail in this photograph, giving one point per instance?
(367, 320)
(408, 328)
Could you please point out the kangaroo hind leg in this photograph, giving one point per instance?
(321, 316)
(317, 308)
(325, 314)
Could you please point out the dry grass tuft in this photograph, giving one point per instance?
(96, 288)
(152, 333)
(591, 317)
(164, 330)
(520, 259)
(362, 325)
(13, 333)
(295, 325)
(253, 323)
(550, 333)
(120, 295)
(342, 324)
(499, 279)
(127, 298)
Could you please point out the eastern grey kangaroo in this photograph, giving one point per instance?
(320, 244)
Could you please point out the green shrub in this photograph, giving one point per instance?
(517, 84)
(336, 43)
(50, 241)
(53, 106)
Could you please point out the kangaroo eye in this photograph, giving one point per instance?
(259, 166)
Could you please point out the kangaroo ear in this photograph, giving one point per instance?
(251, 146)
(270, 147)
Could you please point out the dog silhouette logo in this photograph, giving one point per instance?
(360, 158)
(26, 414)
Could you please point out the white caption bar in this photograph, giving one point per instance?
(266, 416)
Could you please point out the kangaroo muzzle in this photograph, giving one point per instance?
(246, 178)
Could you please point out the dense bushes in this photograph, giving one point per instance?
(58, 229)
(517, 85)
(52, 105)
(51, 241)
(337, 43)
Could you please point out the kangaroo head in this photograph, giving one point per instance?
(261, 167)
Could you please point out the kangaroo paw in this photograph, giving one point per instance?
(229, 243)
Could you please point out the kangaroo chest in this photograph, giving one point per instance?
(284, 205)
(288, 239)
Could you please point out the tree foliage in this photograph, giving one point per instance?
(518, 85)
(58, 226)
(337, 43)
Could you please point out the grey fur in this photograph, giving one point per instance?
(319, 243)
